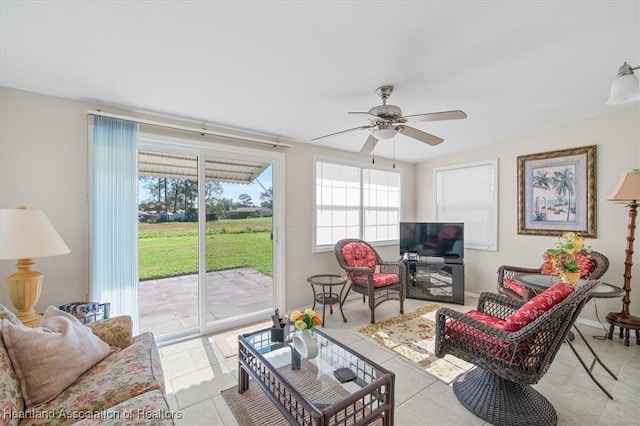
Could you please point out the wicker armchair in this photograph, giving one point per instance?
(508, 286)
(361, 262)
(508, 362)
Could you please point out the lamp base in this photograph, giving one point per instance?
(25, 287)
(626, 322)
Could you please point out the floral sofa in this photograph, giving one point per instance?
(125, 387)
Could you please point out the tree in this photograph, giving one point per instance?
(267, 198)
(211, 189)
(564, 185)
(245, 199)
(541, 180)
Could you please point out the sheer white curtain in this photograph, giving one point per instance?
(114, 215)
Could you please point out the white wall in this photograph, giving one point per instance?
(617, 137)
(301, 262)
(43, 164)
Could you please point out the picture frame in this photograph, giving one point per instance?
(556, 192)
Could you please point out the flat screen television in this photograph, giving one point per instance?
(433, 239)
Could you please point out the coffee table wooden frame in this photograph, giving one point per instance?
(372, 401)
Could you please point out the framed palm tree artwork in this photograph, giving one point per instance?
(556, 192)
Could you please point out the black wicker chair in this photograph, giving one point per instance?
(362, 278)
(508, 363)
(506, 275)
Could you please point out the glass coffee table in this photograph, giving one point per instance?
(306, 391)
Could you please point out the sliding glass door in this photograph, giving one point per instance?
(239, 229)
(206, 238)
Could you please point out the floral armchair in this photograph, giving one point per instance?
(592, 268)
(369, 275)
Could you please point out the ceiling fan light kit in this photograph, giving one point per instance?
(386, 121)
(624, 88)
(384, 132)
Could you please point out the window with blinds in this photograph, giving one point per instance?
(352, 201)
(469, 193)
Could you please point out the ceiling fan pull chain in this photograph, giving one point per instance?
(394, 152)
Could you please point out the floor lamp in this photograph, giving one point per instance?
(25, 234)
(628, 190)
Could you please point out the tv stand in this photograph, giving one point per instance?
(435, 280)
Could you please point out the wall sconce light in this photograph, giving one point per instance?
(624, 89)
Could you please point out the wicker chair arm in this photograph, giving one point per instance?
(519, 269)
(498, 305)
(390, 267)
(443, 314)
(356, 271)
(483, 333)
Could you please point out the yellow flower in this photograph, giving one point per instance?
(305, 320)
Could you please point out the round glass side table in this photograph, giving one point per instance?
(326, 295)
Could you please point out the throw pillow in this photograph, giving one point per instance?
(117, 331)
(537, 306)
(5, 313)
(49, 358)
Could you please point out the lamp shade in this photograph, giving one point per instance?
(628, 188)
(28, 234)
(625, 88)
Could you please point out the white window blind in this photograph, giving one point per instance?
(355, 202)
(381, 201)
(468, 193)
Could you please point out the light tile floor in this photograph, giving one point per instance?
(196, 373)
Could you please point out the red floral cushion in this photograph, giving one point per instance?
(515, 286)
(486, 319)
(359, 255)
(537, 306)
(511, 353)
(380, 280)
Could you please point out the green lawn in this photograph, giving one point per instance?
(171, 249)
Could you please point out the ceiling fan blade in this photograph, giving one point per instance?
(343, 131)
(427, 138)
(369, 145)
(368, 115)
(437, 116)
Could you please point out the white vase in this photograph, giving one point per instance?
(304, 344)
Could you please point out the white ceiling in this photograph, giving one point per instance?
(294, 69)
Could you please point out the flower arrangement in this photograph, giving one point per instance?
(569, 256)
(306, 320)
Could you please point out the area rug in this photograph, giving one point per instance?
(227, 342)
(412, 335)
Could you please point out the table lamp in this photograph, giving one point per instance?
(628, 191)
(25, 234)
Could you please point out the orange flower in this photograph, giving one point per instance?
(305, 320)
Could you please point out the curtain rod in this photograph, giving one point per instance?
(188, 128)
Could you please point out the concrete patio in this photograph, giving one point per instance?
(171, 304)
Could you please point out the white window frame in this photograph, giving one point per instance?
(362, 166)
(452, 213)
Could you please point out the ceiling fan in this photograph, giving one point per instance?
(385, 121)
